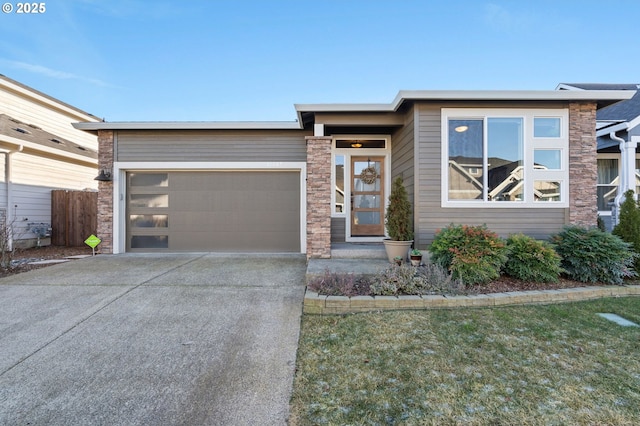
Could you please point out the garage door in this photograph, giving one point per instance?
(228, 211)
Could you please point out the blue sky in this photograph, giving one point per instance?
(130, 60)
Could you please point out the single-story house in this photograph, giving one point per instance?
(40, 151)
(618, 136)
(517, 161)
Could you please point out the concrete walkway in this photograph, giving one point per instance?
(151, 339)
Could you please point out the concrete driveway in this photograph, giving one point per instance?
(180, 339)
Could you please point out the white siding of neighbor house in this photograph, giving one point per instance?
(536, 222)
(32, 179)
(53, 117)
(34, 176)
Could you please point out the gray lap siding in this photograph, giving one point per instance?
(214, 145)
(431, 216)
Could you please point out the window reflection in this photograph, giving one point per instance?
(546, 127)
(149, 220)
(466, 158)
(339, 189)
(149, 241)
(149, 179)
(149, 200)
(547, 190)
(505, 159)
(548, 159)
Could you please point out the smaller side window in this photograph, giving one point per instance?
(546, 127)
(339, 184)
(547, 159)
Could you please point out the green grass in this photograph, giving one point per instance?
(556, 364)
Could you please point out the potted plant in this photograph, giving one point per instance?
(416, 257)
(398, 222)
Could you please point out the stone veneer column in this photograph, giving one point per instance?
(583, 166)
(105, 191)
(318, 197)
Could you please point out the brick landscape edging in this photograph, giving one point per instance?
(329, 305)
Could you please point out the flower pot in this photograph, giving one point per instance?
(397, 248)
(416, 260)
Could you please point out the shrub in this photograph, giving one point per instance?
(439, 281)
(472, 253)
(629, 226)
(398, 215)
(590, 255)
(406, 279)
(532, 260)
(336, 284)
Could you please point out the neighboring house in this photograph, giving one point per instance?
(517, 161)
(39, 151)
(618, 134)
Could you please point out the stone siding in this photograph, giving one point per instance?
(105, 191)
(583, 168)
(318, 197)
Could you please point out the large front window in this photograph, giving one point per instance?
(504, 157)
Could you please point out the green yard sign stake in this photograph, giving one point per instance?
(92, 242)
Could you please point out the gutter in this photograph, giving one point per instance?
(44, 151)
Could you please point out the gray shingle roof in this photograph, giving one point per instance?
(28, 132)
(623, 110)
(603, 86)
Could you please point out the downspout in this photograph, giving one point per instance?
(7, 179)
(622, 185)
(627, 171)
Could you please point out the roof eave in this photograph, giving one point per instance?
(189, 125)
(617, 127)
(601, 97)
(19, 145)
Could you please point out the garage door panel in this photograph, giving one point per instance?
(235, 242)
(235, 211)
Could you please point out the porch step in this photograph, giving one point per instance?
(358, 251)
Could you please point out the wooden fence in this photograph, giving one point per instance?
(73, 217)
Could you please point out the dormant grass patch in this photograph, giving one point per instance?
(529, 365)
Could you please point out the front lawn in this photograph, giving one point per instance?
(528, 365)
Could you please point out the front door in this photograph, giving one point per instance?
(367, 196)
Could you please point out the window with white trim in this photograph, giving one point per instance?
(505, 157)
(608, 181)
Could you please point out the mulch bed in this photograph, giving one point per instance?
(23, 257)
(506, 284)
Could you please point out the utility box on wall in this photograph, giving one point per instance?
(73, 217)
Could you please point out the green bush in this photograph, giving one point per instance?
(629, 226)
(590, 255)
(472, 253)
(398, 216)
(406, 279)
(532, 260)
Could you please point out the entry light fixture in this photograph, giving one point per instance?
(104, 176)
(356, 144)
(461, 129)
